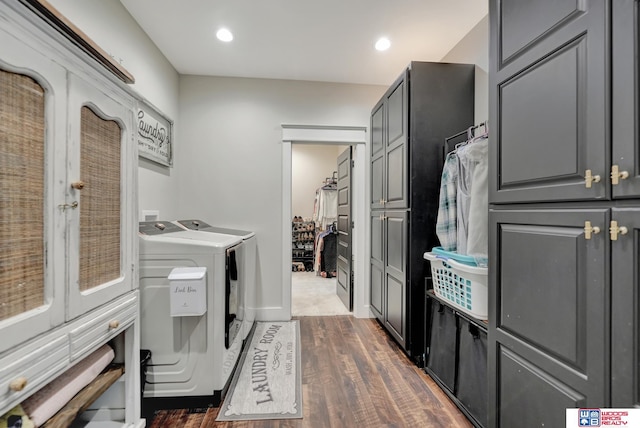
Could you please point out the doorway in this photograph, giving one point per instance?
(315, 237)
(330, 135)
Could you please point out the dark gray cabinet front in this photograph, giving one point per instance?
(549, 101)
(396, 149)
(550, 314)
(395, 271)
(377, 264)
(625, 157)
(564, 269)
(625, 299)
(388, 270)
(378, 158)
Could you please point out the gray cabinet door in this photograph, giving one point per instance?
(377, 264)
(377, 157)
(548, 337)
(396, 187)
(625, 142)
(395, 243)
(548, 100)
(625, 323)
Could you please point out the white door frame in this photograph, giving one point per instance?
(356, 136)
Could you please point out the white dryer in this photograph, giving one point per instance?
(246, 258)
(192, 357)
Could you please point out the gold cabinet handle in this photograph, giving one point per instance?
(589, 230)
(589, 179)
(114, 324)
(78, 185)
(617, 175)
(18, 384)
(614, 230)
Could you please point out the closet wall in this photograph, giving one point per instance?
(311, 164)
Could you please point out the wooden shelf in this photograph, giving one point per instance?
(83, 399)
(58, 21)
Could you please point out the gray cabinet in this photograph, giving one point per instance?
(549, 314)
(427, 103)
(625, 51)
(388, 270)
(625, 325)
(548, 100)
(564, 209)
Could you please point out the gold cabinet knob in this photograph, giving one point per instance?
(589, 179)
(78, 185)
(614, 230)
(589, 230)
(617, 175)
(18, 384)
(114, 324)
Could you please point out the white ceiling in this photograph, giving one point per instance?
(319, 40)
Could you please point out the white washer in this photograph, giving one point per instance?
(190, 361)
(247, 276)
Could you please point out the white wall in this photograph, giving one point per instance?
(109, 25)
(230, 139)
(474, 49)
(310, 166)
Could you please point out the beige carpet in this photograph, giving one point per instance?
(313, 295)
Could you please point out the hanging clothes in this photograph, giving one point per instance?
(326, 207)
(446, 229)
(462, 222)
(325, 261)
(473, 183)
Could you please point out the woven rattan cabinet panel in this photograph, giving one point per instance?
(101, 227)
(22, 177)
(32, 105)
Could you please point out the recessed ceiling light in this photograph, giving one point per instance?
(383, 44)
(224, 35)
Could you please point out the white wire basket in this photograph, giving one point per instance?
(464, 286)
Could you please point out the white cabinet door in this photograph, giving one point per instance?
(100, 182)
(32, 127)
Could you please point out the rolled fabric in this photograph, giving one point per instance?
(54, 396)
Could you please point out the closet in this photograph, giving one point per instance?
(564, 216)
(68, 173)
(426, 103)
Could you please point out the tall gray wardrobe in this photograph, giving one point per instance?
(427, 103)
(564, 217)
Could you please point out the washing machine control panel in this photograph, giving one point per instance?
(158, 227)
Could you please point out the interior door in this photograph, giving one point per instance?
(344, 287)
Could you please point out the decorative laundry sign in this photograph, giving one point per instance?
(155, 135)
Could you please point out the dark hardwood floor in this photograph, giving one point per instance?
(353, 375)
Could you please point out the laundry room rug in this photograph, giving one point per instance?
(267, 384)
